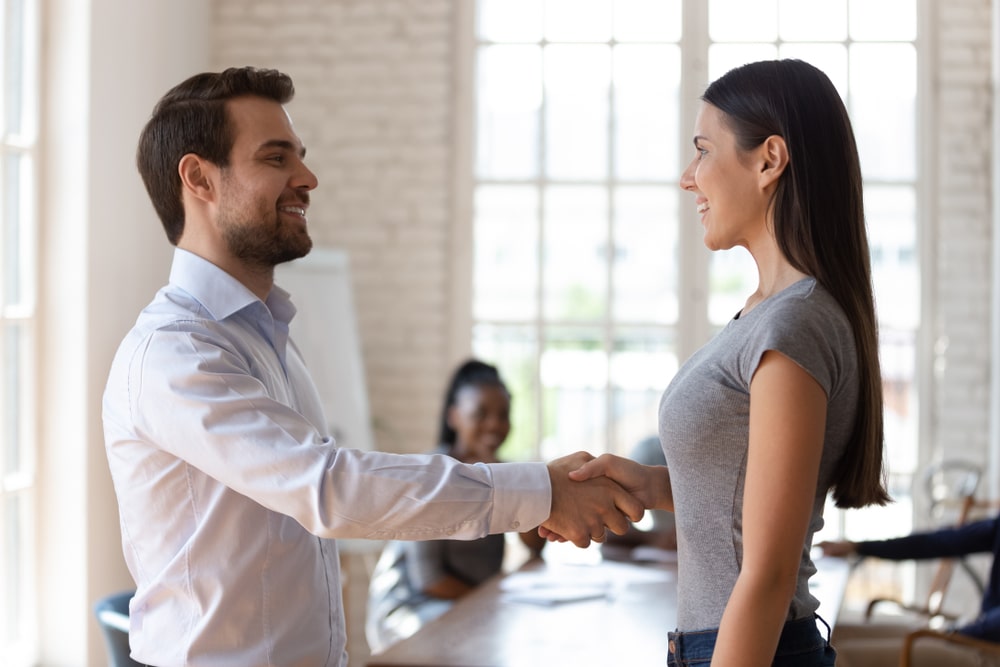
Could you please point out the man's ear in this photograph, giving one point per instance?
(774, 159)
(198, 177)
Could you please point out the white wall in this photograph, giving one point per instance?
(961, 229)
(104, 254)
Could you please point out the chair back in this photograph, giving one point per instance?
(950, 488)
(942, 576)
(946, 485)
(112, 616)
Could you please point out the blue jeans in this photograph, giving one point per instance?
(800, 645)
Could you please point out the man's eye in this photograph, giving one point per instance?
(277, 159)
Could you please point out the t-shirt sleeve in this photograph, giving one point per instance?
(813, 332)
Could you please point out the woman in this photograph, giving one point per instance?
(785, 404)
(415, 582)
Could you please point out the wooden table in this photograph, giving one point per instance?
(626, 624)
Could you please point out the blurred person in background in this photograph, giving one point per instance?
(415, 582)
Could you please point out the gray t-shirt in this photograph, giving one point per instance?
(704, 428)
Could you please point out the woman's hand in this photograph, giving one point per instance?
(650, 484)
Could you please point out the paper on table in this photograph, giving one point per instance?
(573, 583)
(553, 587)
(552, 595)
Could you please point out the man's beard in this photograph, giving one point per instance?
(266, 242)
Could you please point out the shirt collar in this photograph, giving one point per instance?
(220, 293)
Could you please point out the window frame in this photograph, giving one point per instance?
(694, 258)
(20, 646)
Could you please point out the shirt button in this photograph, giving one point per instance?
(516, 524)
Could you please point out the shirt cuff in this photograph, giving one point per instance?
(522, 496)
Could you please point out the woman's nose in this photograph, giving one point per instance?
(687, 178)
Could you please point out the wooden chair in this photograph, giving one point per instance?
(983, 647)
(933, 609)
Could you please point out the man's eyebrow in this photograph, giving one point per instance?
(283, 144)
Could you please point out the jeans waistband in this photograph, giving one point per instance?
(798, 638)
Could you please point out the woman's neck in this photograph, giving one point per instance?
(770, 281)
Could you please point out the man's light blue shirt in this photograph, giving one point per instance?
(230, 486)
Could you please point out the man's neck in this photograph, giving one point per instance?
(257, 279)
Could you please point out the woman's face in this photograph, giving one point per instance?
(480, 417)
(725, 180)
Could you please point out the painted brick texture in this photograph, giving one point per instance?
(961, 229)
(374, 107)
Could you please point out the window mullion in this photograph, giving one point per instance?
(539, 324)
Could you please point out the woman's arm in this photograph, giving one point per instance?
(787, 425)
(447, 588)
(425, 568)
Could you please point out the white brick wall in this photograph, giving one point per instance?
(961, 228)
(375, 102)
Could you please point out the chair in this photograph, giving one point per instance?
(948, 485)
(982, 647)
(933, 609)
(112, 615)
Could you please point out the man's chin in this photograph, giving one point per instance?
(292, 252)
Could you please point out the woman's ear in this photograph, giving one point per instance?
(198, 177)
(451, 417)
(774, 160)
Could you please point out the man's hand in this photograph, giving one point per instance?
(583, 510)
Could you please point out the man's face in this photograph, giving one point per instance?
(265, 189)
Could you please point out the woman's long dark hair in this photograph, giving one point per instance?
(472, 373)
(819, 223)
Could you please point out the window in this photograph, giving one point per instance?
(18, 116)
(590, 281)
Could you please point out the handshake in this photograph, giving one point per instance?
(593, 495)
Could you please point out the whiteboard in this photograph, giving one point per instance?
(326, 332)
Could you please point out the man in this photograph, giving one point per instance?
(229, 485)
(881, 643)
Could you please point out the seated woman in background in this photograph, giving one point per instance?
(415, 582)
